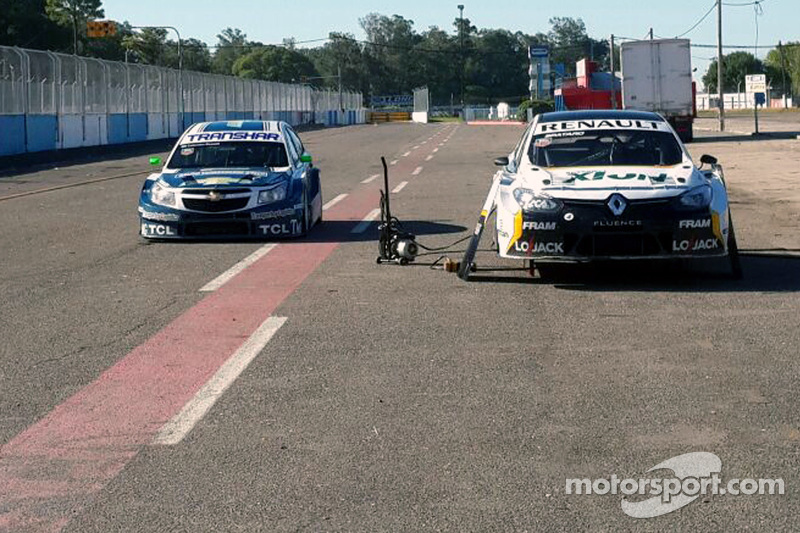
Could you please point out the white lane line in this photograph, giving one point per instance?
(181, 424)
(226, 276)
(437, 149)
(371, 178)
(417, 146)
(406, 154)
(416, 171)
(400, 187)
(429, 157)
(366, 221)
(336, 200)
(393, 162)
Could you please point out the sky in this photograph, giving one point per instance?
(271, 21)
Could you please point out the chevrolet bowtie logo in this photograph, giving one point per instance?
(214, 196)
(617, 204)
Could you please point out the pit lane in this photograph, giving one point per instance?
(402, 398)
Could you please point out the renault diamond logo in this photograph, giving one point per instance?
(214, 196)
(617, 204)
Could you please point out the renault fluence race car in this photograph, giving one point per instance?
(238, 179)
(607, 185)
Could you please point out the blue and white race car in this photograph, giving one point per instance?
(234, 179)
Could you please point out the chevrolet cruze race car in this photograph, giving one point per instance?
(239, 179)
(597, 185)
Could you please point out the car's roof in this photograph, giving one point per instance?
(599, 114)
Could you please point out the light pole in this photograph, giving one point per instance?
(461, 47)
(180, 58)
(720, 84)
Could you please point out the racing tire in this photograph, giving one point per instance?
(733, 253)
(306, 223)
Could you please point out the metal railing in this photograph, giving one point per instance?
(40, 82)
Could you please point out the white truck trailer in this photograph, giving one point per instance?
(657, 76)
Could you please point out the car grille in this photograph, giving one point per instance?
(218, 206)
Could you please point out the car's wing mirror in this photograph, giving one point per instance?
(155, 161)
(708, 160)
(306, 158)
(501, 161)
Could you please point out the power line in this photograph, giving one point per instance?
(696, 24)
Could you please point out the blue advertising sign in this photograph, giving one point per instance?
(538, 51)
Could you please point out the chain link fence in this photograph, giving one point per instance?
(52, 101)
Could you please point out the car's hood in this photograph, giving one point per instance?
(597, 183)
(220, 178)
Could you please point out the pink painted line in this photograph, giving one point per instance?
(52, 469)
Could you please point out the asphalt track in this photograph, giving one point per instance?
(251, 387)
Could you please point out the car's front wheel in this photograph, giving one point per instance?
(733, 252)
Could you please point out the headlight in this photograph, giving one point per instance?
(160, 195)
(696, 198)
(276, 194)
(530, 201)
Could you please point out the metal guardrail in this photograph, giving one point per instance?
(40, 82)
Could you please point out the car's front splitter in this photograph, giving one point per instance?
(255, 224)
(588, 232)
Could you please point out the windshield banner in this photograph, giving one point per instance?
(605, 124)
(232, 136)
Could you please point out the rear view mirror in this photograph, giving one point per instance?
(501, 161)
(155, 161)
(306, 158)
(708, 160)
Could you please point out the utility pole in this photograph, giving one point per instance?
(339, 75)
(613, 76)
(74, 34)
(783, 72)
(461, 46)
(720, 85)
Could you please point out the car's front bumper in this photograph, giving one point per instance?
(586, 231)
(266, 222)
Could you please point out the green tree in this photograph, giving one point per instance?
(569, 41)
(391, 65)
(147, 46)
(499, 62)
(341, 51)
(25, 24)
(231, 45)
(196, 56)
(736, 65)
(783, 63)
(438, 66)
(274, 63)
(74, 13)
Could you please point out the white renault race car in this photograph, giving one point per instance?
(606, 185)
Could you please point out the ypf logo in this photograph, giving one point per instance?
(689, 469)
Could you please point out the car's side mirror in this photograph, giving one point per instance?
(306, 158)
(708, 160)
(501, 161)
(155, 161)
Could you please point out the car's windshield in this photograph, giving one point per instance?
(230, 155)
(605, 148)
